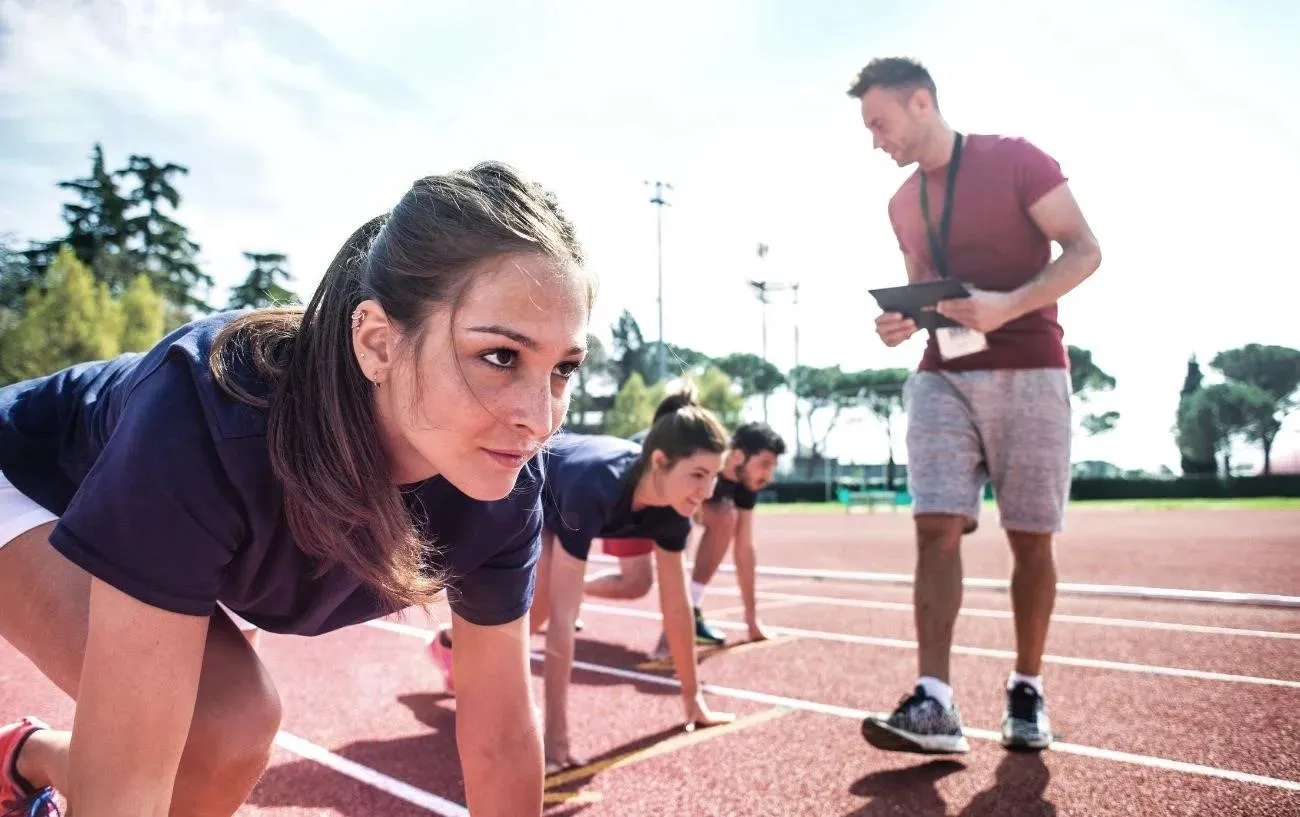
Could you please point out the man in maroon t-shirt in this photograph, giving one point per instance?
(991, 397)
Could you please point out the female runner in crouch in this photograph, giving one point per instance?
(306, 470)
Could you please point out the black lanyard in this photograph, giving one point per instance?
(939, 243)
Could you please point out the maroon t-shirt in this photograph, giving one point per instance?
(993, 244)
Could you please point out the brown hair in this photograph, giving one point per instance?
(322, 429)
(680, 428)
(898, 73)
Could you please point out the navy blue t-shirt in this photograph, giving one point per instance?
(164, 489)
(588, 495)
(729, 489)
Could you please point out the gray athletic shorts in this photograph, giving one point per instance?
(1010, 426)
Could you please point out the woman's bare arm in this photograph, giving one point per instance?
(135, 700)
(496, 724)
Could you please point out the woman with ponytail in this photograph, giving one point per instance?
(304, 469)
(608, 487)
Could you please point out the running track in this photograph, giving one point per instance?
(1166, 707)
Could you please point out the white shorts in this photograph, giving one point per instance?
(19, 514)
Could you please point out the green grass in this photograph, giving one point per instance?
(1265, 503)
(1255, 504)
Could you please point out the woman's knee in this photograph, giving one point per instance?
(638, 577)
(639, 585)
(236, 718)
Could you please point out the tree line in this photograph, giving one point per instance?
(824, 395)
(125, 271)
(1259, 388)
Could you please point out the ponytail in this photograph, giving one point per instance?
(685, 396)
(681, 428)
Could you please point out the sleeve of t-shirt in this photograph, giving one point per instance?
(674, 540)
(501, 589)
(583, 512)
(156, 516)
(745, 499)
(1036, 173)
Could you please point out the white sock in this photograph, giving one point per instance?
(1035, 681)
(936, 689)
(697, 592)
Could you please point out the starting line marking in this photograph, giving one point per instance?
(982, 652)
(976, 612)
(370, 777)
(663, 747)
(706, 652)
(573, 798)
(858, 714)
(1062, 588)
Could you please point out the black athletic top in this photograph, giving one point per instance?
(735, 492)
(588, 496)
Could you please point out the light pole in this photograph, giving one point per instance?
(793, 388)
(762, 288)
(661, 364)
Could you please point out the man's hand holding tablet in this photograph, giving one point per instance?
(914, 306)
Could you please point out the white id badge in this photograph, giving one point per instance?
(958, 341)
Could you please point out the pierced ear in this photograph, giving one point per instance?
(658, 460)
(373, 341)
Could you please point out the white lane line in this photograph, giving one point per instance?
(370, 777)
(1062, 588)
(975, 612)
(982, 652)
(761, 604)
(859, 714)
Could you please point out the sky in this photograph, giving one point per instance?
(300, 120)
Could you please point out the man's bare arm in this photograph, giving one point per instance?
(1058, 215)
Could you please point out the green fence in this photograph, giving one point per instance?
(1083, 489)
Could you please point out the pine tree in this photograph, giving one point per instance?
(161, 244)
(264, 285)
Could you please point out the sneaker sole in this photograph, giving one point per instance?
(1026, 745)
(883, 736)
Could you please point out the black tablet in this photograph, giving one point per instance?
(917, 300)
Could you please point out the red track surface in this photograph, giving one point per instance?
(1139, 689)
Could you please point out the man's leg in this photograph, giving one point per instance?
(1033, 595)
(946, 474)
(937, 594)
(718, 520)
(1028, 444)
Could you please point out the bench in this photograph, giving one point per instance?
(870, 498)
